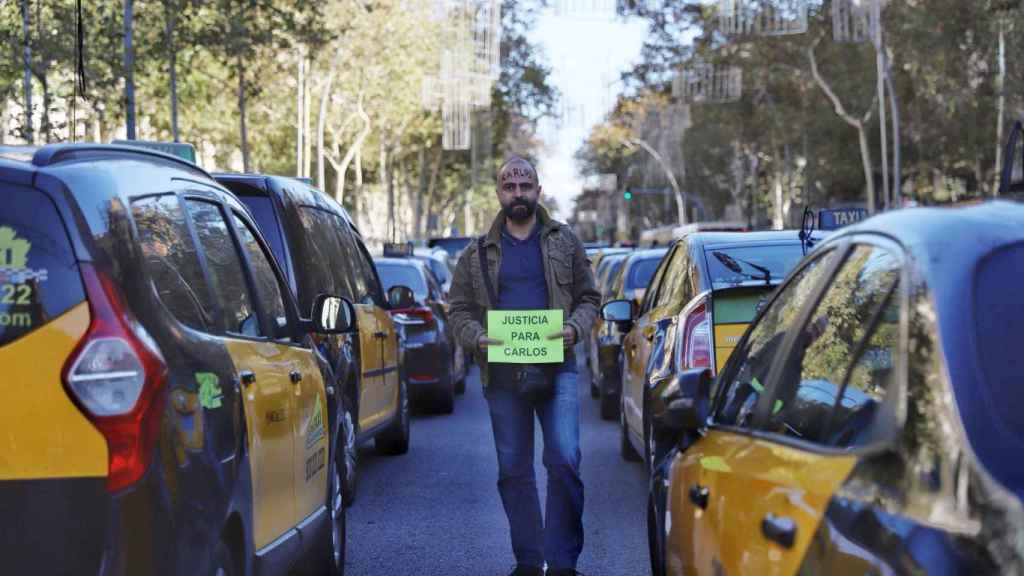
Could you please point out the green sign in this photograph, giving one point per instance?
(524, 336)
(179, 149)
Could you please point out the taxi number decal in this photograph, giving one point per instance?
(315, 463)
(17, 294)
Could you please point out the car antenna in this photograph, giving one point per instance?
(807, 229)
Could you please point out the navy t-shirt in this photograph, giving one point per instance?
(522, 285)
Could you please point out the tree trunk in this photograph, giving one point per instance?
(321, 124)
(865, 156)
(243, 129)
(307, 111)
(45, 126)
(1000, 106)
(26, 28)
(300, 115)
(171, 16)
(129, 69)
(418, 216)
(385, 181)
(3, 121)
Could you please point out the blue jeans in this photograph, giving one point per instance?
(559, 540)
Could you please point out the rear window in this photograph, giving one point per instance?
(732, 266)
(39, 277)
(640, 273)
(999, 316)
(403, 275)
(262, 209)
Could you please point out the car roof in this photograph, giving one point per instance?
(298, 192)
(647, 254)
(945, 246)
(718, 240)
(413, 261)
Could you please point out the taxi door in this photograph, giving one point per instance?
(747, 506)
(310, 428)
(389, 362)
(263, 365)
(371, 397)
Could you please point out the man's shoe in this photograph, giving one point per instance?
(524, 570)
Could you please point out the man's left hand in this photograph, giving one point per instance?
(568, 335)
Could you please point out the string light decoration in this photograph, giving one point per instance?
(708, 84)
(853, 21)
(469, 65)
(762, 17)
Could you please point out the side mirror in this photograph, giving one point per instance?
(332, 315)
(401, 297)
(617, 311)
(690, 404)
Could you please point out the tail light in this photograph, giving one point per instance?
(116, 376)
(696, 349)
(414, 316)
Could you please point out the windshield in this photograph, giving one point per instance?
(751, 263)
(403, 275)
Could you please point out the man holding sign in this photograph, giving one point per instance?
(521, 297)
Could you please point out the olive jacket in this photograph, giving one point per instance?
(569, 278)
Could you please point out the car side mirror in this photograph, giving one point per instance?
(401, 297)
(617, 311)
(690, 404)
(332, 315)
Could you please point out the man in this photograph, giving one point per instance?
(534, 263)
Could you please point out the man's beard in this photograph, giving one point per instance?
(520, 210)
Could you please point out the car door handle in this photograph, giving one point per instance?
(296, 376)
(247, 377)
(699, 496)
(779, 529)
(380, 335)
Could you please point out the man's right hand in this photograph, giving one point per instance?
(483, 342)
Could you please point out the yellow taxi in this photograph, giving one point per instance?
(868, 422)
(165, 410)
(303, 225)
(703, 296)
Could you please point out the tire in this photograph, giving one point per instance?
(333, 554)
(625, 447)
(654, 545)
(444, 398)
(224, 562)
(349, 455)
(395, 440)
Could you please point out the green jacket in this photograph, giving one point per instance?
(569, 278)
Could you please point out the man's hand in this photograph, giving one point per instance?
(483, 342)
(568, 335)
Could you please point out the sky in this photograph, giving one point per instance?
(587, 53)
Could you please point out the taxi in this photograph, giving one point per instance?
(628, 285)
(696, 307)
(165, 409)
(303, 225)
(869, 421)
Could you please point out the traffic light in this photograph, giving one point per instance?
(627, 195)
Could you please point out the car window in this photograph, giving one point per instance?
(403, 275)
(611, 275)
(225, 266)
(268, 287)
(364, 283)
(172, 261)
(39, 278)
(263, 213)
(732, 266)
(746, 374)
(861, 297)
(641, 272)
(677, 289)
(322, 243)
(654, 286)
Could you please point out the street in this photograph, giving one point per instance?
(436, 510)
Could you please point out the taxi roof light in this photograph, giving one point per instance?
(116, 377)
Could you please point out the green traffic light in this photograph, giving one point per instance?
(627, 195)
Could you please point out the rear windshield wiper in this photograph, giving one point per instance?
(734, 265)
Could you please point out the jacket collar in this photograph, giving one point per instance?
(547, 225)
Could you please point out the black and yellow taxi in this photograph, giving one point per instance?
(869, 421)
(698, 303)
(605, 272)
(321, 251)
(165, 409)
(629, 285)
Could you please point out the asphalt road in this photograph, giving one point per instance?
(436, 509)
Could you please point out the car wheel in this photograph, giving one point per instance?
(625, 446)
(350, 455)
(609, 402)
(335, 559)
(224, 561)
(444, 398)
(654, 545)
(395, 440)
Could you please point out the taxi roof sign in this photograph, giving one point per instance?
(398, 249)
(182, 150)
(838, 217)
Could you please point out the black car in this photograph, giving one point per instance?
(432, 363)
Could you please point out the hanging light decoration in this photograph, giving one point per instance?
(702, 83)
(762, 17)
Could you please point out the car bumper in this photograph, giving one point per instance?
(425, 365)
